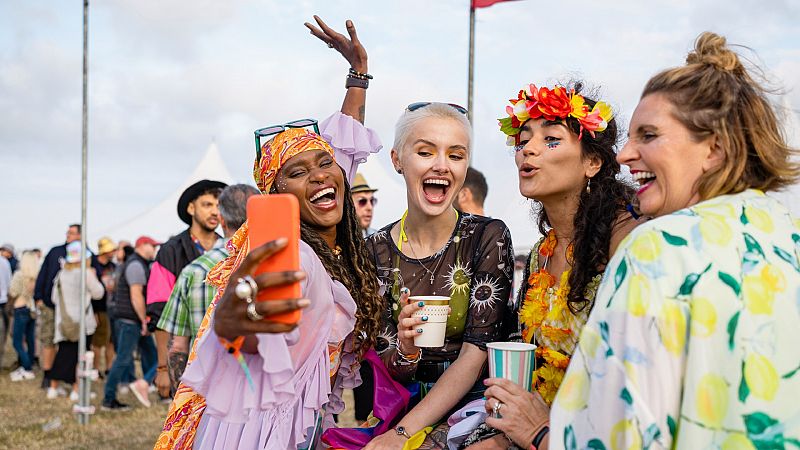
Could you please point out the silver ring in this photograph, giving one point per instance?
(330, 45)
(496, 409)
(252, 314)
(246, 288)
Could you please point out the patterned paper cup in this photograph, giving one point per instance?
(437, 310)
(513, 361)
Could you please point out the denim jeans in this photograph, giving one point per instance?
(128, 338)
(24, 329)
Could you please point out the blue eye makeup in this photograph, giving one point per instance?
(552, 145)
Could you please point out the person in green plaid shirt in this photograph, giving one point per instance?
(191, 296)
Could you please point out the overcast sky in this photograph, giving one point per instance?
(167, 77)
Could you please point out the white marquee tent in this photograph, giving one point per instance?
(161, 221)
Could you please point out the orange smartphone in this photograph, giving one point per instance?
(270, 217)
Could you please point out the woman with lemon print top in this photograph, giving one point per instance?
(435, 250)
(564, 146)
(693, 341)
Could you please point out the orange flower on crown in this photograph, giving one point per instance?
(553, 104)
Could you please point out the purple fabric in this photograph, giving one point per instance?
(464, 421)
(390, 401)
(352, 142)
(290, 371)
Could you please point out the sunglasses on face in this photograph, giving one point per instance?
(362, 202)
(275, 129)
(419, 105)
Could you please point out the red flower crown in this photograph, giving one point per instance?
(552, 104)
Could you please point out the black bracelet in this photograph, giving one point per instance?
(356, 82)
(356, 74)
(540, 436)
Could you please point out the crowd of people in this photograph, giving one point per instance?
(663, 309)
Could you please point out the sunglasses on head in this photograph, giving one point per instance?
(275, 129)
(417, 105)
(362, 202)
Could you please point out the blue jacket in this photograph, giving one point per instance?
(50, 268)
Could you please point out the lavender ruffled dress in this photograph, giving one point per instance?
(293, 400)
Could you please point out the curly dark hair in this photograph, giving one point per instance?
(598, 210)
(355, 270)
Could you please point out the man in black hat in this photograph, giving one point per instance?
(198, 207)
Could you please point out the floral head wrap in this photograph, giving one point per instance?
(273, 156)
(281, 148)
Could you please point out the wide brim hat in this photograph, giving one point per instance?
(105, 245)
(360, 185)
(191, 193)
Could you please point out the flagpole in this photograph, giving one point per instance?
(82, 408)
(471, 68)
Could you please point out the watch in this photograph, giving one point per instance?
(401, 431)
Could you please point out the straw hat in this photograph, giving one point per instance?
(360, 185)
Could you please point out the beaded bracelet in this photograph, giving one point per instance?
(356, 74)
(407, 360)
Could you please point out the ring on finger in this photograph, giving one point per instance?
(330, 44)
(252, 314)
(246, 288)
(496, 409)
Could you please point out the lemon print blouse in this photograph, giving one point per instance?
(694, 339)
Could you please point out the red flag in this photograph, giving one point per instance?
(485, 3)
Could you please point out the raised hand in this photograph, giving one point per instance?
(351, 48)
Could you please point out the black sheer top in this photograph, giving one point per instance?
(475, 268)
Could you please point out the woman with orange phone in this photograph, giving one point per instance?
(253, 382)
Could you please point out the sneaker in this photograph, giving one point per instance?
(61, 391)
(52, 393)
(123, 389)
(152, 388)
(27, 375)
(114, 405)
(139, 390)
(73, 396)
(16, 375)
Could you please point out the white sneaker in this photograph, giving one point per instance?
(17, 374)
(28, 375)
(73, 396)
(61, 391)
(52, 393)
(123, 389)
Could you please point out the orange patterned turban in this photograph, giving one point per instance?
(280, 149)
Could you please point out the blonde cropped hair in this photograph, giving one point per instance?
(715, 95)
(409, 119)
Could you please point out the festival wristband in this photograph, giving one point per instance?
(234, 348)
(539, 437)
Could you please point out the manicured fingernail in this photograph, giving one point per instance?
(421, 304)
(424, 318)
(281, 241)
(484, 398)
(299, 274)
(485, 383)
(303, 302)
(405, 290)
(420, 330)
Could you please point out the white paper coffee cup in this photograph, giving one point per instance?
(437, 309)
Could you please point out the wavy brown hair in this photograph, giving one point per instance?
(598, 211)
(715, 95)
(355, 270)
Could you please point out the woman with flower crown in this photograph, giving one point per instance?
(564, 144)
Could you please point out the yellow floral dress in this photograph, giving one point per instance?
(694, 340)
(549, 323)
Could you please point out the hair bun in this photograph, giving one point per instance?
(712, 49)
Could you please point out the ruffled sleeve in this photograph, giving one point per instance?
(352, 142)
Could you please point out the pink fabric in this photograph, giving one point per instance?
(160, 283)
(352, 142)
(290, 372)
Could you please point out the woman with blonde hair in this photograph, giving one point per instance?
(433, 249)
(70, 304)
(693, 339)
(24, 331)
